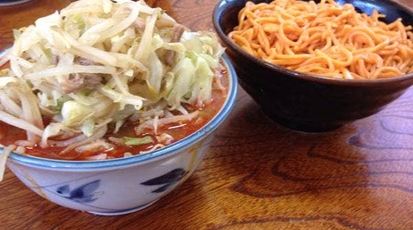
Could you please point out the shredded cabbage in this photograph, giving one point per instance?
(96, 64)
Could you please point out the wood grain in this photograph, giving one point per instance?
(257, 175)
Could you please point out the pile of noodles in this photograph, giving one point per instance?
(325, 39)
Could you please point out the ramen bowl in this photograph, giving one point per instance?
(307, 102)
(122, 185)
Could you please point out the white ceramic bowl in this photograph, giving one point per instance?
(125, 185)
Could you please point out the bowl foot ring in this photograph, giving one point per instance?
(123, 212)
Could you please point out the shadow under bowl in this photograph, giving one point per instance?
(307, 102)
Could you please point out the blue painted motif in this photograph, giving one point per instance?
(81, 194)
(166, 180)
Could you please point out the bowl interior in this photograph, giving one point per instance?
(391, 9)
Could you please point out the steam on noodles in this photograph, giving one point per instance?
(96, 65)
(325, 39)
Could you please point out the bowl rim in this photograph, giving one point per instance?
(222, 7)
(207, 129)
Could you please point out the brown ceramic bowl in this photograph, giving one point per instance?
(307, 102)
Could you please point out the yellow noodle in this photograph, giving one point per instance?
(325, 39)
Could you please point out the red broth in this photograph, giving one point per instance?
(10, 134)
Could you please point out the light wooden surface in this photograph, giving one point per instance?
(257, 175)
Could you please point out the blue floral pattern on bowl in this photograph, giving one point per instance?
(81, 194)
(166, 180)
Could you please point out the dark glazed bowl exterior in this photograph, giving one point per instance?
(307, 102)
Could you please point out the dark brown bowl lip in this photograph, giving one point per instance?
(304, 76)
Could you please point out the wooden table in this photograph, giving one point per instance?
(257, 175)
